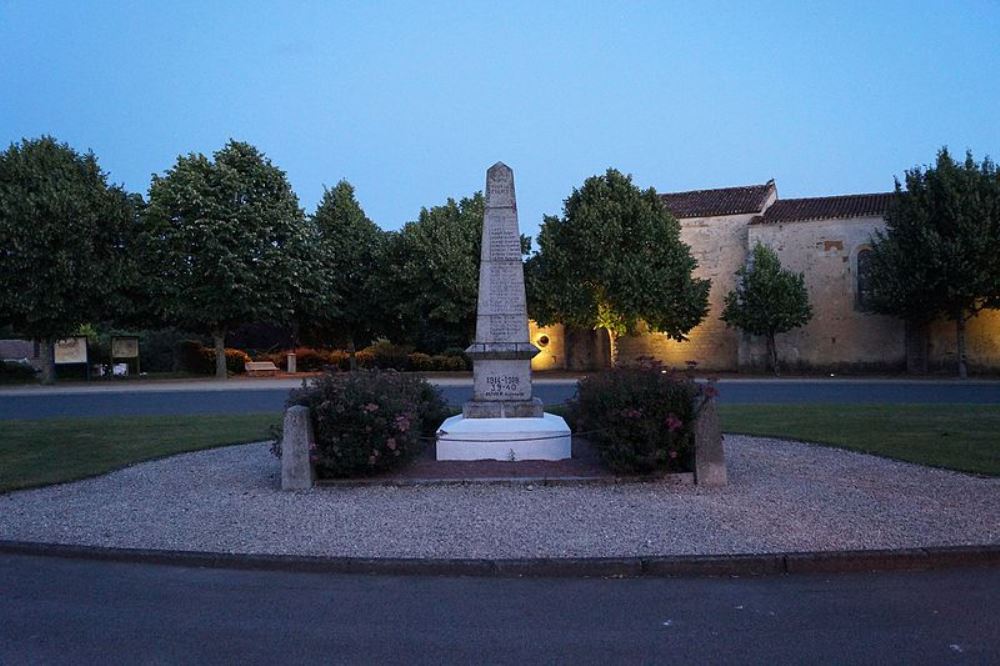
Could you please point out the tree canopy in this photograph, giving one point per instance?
(229, 243)
(350, 248)
(937, 257)
(65, 238)
(613, 260)
(767, 300)
(430, 274)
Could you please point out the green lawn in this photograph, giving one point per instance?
(36, 453)
(961, 437)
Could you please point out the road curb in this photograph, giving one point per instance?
(584, 567)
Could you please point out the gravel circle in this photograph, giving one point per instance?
(783, 496)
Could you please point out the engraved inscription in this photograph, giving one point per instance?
(506, 292)
(501, 387)
(505, 245)
(504, 328)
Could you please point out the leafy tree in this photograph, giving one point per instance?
(430, 275)
(938, 254)
(65, 235)
(613, 260)
(228, 243)
(768, 300)
(350, 245)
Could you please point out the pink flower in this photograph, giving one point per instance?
(402, 423)
(370, 407)
(391, 443)
(672, 454)
(631, 413)
(673, 423)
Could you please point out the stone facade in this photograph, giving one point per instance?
(820, 237)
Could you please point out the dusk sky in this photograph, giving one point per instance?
(411, 102)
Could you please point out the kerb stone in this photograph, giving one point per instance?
(297, 440)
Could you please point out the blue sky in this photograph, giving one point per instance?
(411, 102)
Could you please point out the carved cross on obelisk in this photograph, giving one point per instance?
(502, 353)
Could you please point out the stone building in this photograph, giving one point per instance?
(826, 239)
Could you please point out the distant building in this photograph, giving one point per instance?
(825, 238)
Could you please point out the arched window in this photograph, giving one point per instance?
(864, 285)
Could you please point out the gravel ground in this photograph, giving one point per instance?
(783, 496)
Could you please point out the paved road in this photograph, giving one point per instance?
(67, 611)
(242, 398)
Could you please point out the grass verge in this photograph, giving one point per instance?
(42, 452)
(959, 437)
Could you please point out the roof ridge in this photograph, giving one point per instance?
(718, 189)
(839, 196)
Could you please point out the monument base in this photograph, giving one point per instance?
(496, 409)
(532, 438)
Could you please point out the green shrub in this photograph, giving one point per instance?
(389, 356)
(370, 421)
(458, 352)
(308, 359)
(365, 359)
(421, 362)
(640, 418)
(197, 358)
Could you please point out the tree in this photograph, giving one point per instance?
(613, 260)
(228, 243)
(767, 300)
(351, 245)
(938, 254)
(430, 274)
(65, 235)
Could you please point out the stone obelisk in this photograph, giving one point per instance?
(502, 352)
(502, 421)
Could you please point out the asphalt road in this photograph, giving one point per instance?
(82, 612)
(148, 401)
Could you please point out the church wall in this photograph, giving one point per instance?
(719, 245)
(982, 343)
(551, 343)
(840, 334)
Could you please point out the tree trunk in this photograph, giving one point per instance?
(960, 337)
(352, 354)
(916, 348)
(772, 354)
(220, 354)
(612, 347)
(47, 356)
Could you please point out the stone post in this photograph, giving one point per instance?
(709, 456)
(297, 440)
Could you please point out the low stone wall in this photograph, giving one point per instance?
(298, 444)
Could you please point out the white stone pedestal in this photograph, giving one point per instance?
(545, 438)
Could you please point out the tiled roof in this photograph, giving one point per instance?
(824, 208)
(723, 201)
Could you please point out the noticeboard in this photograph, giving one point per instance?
(71, 350)
(125, 347)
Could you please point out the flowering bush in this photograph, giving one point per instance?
(368, 421)
(640, 417)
